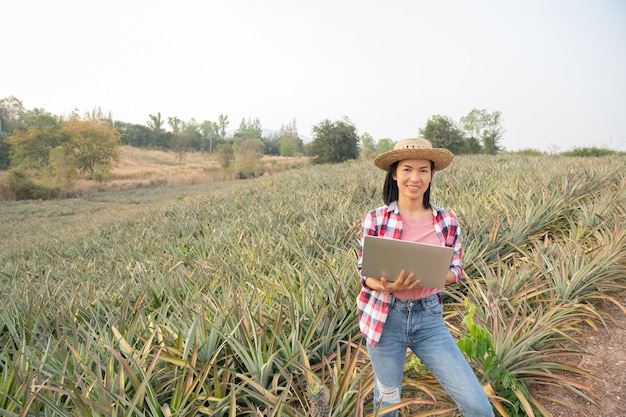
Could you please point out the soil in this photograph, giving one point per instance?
(606, 359)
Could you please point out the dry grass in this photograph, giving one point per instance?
(140, 164)
(196, 167)
(149, 168)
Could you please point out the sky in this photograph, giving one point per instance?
(554, 69)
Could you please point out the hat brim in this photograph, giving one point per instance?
(441, 157)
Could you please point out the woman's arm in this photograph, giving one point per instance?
(451, 278)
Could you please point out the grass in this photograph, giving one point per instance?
(144, 180)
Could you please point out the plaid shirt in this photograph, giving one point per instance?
(373, 306)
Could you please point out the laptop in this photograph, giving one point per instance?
(385, 257)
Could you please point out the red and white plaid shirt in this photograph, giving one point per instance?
(373, 305)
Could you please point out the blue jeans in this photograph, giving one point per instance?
(419, 325)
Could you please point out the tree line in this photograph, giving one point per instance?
(67, 145)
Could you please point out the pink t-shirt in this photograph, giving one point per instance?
(418, 231)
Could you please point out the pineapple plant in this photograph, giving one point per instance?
(318, 400)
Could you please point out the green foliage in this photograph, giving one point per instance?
(249, 168)
(5, 157)
(13, 115)
(139, 135)
(32, 147)
(249, 129)
(290, 146)
(93, 146)
(156, 122)
(225, 155)
(530, 152)
(24, 188)
(486, 127)
(472, 146)
(442, 132)
(477, 344)
(211, 133)
(251, 148)
(589, 152)
(222, 122)
(368, 145)
(63, 166)
(384, 145)
(334, 142)
(64, 148)
(287, 147)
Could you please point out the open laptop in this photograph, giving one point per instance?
(385, 257)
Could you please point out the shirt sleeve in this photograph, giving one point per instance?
(368, 228)
(456, 266)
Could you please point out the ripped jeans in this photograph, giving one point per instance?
(419, 325)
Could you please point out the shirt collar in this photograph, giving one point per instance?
(393, 207)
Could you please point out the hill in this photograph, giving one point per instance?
(149, 168)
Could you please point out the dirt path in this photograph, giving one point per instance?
(607, 360)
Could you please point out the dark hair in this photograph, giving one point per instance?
(390, 187)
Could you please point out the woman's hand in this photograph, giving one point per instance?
(402, 282)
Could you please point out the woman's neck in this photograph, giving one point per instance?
(414, 210)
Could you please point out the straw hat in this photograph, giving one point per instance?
(414, 148)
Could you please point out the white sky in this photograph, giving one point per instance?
(555, 69)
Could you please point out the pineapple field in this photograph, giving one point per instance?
(238, 298)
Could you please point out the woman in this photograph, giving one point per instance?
(394, 316)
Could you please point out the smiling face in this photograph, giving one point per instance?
(413, 177)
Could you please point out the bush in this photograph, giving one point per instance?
(530, 152)
(24, 188)
(5, 159)
(589, 152)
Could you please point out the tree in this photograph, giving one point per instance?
(222, 121)
(368, 145)
(184, 136)
(13, 115)
(486, 127)
(93, 146)
(249, 129)
(251, 149)
(135, 135)
(32, 147)
(289, 129)
(225, 154)
(63, 166)
(156, 122)
(271, 144)
(159, 138)
(472, 146)
(384, 145)
(174, 123)
(210, 132)
(289, 142)
(40, 118)
(5, 157)
(334, 142)
(97, 115)
(442, 132)
(289, 146)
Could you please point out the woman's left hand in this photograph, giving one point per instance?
(402, 282)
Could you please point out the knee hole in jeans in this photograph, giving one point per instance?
(389, 395)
